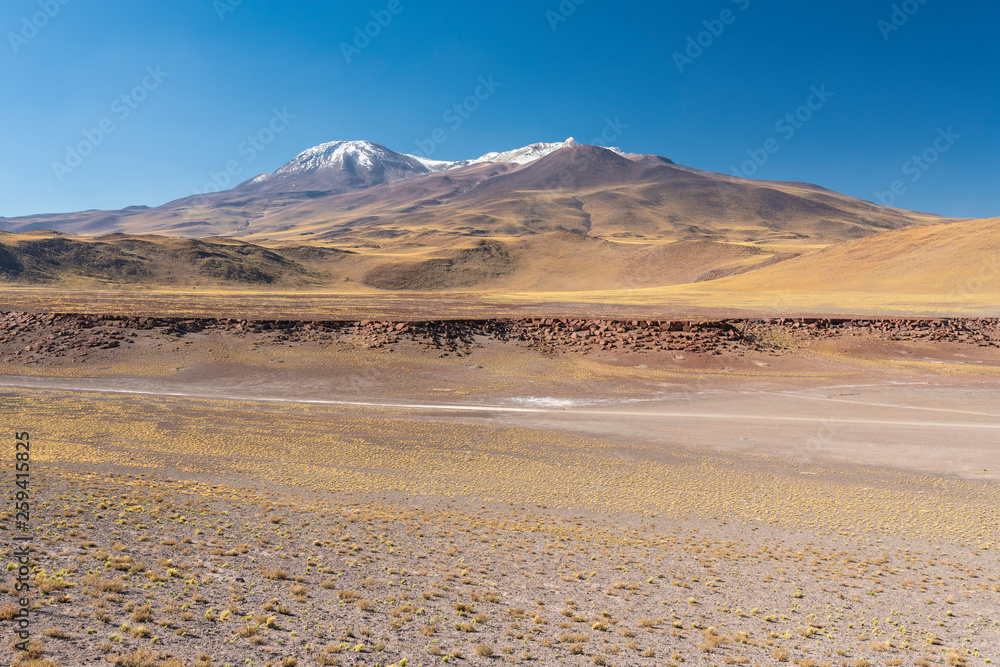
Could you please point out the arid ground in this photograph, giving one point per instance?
(534, 491)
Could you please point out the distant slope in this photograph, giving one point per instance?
(958, 258)
(362, 192)
(42, 258)
(558, 261)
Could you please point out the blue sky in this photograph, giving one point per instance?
(163, 96)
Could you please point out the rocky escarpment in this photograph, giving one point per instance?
(31, 336)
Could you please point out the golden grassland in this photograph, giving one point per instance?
(941, 270)
(702, 300)
(320, 448)
(161, 572)
(175, 531)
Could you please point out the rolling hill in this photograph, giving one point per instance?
(940, 259)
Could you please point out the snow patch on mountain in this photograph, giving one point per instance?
(437, 165)
(372, 162)
(338, 154)
(527, 154)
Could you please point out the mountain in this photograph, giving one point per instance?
(357, 217)
(338, 166)
(360, 193)
(529, 154)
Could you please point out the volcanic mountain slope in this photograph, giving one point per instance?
(957, 260)
(593, 191)
(338, 166)
(358, 192)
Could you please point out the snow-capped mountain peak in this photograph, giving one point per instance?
(527, 154)
(337, 154)
(342, 164)
(354, 164)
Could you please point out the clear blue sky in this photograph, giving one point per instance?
(222, 78)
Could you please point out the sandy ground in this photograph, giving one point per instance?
(835, 502)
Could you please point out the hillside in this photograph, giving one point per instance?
(938, 259)
(540, 262)
(363, 194)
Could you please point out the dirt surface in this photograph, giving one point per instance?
(811, 491)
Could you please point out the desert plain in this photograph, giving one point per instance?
(299, 487)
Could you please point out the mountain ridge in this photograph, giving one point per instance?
(361, 191)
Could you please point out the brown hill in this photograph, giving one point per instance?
(581, 189)
(52, 258)
(539, 262)
(592, 191)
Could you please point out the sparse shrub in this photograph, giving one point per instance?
(146, 658)
(954, 658)
(140, 631)
(274, 573)
(142, 614)
(55, 633)
(48, 584)
(103, 585)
